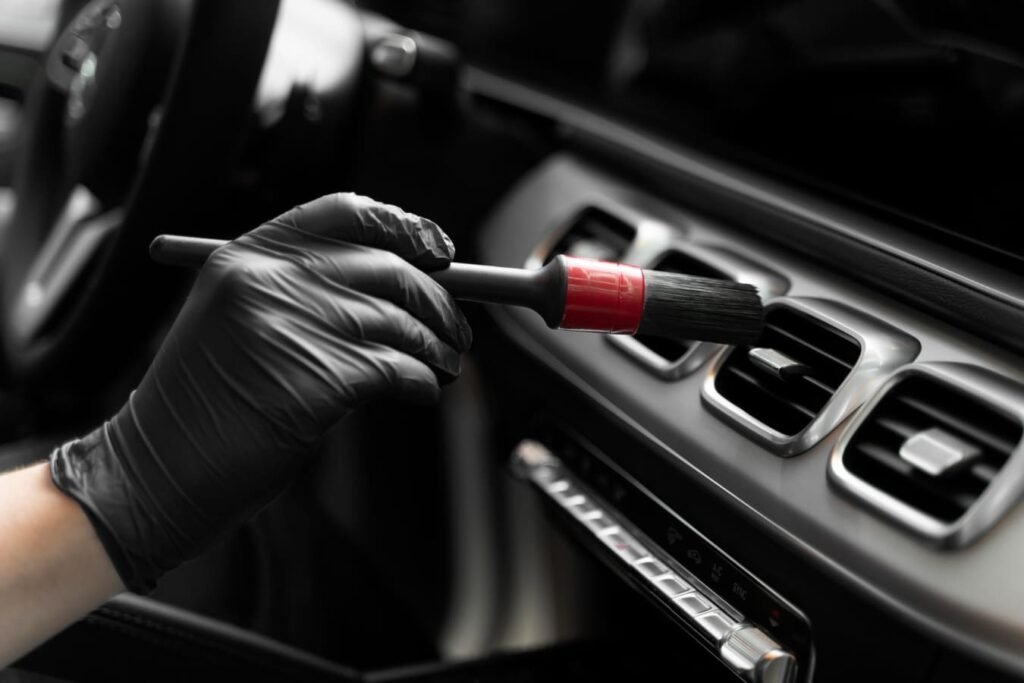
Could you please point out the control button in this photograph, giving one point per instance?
(739, 591)
(717, 572)
(756, 657)
(598, 522)
(775, 616)
(671, 585)
(585, 510)
(563, 493)
(673, 536)
(694, 557)
(574, 501)
(74, 56)
(543, 475)
(559, 486)
(625, 546)
(715, 624)
(651, 567)
(692, 603)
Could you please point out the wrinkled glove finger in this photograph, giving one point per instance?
(352, 218)
(382, 322)
(275, 297)
(374, 271)
(386, 372)
(386, 276)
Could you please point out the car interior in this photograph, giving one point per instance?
(837, 502)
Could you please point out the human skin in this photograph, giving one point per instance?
(53, 569)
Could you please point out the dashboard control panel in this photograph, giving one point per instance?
(755, 632)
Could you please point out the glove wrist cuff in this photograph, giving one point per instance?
(89, 471)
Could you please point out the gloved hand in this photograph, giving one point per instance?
(286, 330)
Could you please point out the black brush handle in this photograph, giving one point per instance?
(542, 290)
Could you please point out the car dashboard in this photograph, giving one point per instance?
(793, 485)
(836, 502)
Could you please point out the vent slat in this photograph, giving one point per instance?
(776, 329)
(898, 427)
(946, 417)
(788, 406)
(820, 385)
(984, 472)
(812, 395)
(757, 384)
(884, 457)
(915, 485)
(919, 403)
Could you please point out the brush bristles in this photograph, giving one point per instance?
(700, 308)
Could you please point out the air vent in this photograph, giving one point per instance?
(674, 358)
(595, 235)
(815, 363)
(930, 448)
(966, 442)
(787, 402)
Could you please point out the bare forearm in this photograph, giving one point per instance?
(53, 569)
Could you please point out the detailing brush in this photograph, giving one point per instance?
(577, 294)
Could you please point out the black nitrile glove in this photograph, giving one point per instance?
(287, 329)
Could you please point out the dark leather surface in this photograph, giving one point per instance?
(135, 638)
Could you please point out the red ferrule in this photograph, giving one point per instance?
(602, 297)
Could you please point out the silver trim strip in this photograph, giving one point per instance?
(883, 349)
(746, 649)
(1004, 491)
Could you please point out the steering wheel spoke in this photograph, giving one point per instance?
(79, 234)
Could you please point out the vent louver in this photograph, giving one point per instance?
(787, 405)
(595, 235)
(815, 364)
(929, 446)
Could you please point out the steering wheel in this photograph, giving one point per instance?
(128, 133)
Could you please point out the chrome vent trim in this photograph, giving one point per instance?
(1005, 489)
(883, 349)
(732, 266)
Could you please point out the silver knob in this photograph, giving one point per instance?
(756, 657)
